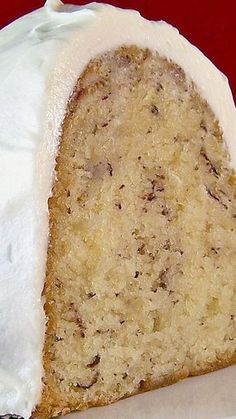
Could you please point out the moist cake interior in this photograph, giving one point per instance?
(140, 287)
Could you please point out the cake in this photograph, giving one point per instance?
(117, 210)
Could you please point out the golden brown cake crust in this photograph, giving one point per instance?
(66, 317)
(45, 411)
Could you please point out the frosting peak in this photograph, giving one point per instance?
(53, 5)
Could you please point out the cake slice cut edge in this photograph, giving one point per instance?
(140, 288)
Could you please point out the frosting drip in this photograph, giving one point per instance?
(38, 71)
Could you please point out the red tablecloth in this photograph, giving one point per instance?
(208, 24)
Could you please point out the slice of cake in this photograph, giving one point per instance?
(117, 204)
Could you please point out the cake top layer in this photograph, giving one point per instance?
(42, 56)
(52, 25)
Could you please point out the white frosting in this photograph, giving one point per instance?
(42, 56)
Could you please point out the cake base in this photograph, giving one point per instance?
(140, 289)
